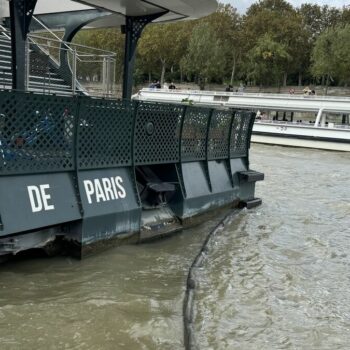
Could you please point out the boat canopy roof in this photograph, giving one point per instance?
(118, 9)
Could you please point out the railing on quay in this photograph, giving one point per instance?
(83, 66)
(50, 133)
(54, 65)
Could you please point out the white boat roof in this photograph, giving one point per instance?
(264, 101)
(177, 9)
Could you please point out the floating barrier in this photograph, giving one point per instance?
(95, 171)
(192, 284)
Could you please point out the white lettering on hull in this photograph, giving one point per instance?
(105, 189)
(39, 198)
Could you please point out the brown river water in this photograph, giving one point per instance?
(277, 276)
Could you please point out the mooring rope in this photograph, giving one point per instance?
(191, 284)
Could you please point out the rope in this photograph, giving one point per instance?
(191, 284)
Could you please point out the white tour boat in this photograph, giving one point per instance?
(320, 133)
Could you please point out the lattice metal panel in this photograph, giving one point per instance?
(157, 133)
(194, 134)
(36, 133)
(240, 134)
(105, 133)
(219, 133)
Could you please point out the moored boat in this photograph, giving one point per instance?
(83, 173)
(320, 132)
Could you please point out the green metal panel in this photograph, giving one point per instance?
(36, 133)
(157, 133)
(105, 133)
(34, 201)
(109, 203)
(194, 134)
(241, 134)
(218, 136)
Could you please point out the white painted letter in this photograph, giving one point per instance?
(45, 196)
(121, 192)
(89, 189)
(99, 191)
(114, 188)
(35, 199)
(108, 188)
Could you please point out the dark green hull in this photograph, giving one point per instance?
(91, 173)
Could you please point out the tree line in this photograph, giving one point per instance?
(272, 44)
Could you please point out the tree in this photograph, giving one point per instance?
(317, 19)
(227, 25)
(331, 55)
(163, 45)
(105, 39)
(204, 59)
(283, 25)
(266, 61)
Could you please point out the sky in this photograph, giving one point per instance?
(242, 5)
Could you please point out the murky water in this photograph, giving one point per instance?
(277, 277)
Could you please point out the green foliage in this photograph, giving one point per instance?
(204, 59)
(267, 61)
(227, 46)
(331, 54)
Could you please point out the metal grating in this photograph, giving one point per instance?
(157, 133)
(36, 133)
(240, 134)
(219, 132)
(48, 133)
(105, 133)
(194, 134)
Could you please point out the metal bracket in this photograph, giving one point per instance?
(134, 25)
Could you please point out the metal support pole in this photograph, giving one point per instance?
(21, 12)
(104, 76)
(109, 75)
(27, 65)
(74, 71)
(133, 29)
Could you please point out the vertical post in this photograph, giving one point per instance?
(104, 76)
(27, 64)
(74, 71)
(343, 119)
(318, 118)
(132, 29)
(21, 12)
(113, 85)
(109, 75)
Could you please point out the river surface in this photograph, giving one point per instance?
(277, 277)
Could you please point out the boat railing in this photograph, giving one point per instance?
(248, 94)
(79, 66)
(57, 66)
(329, 125)
(41, 133)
